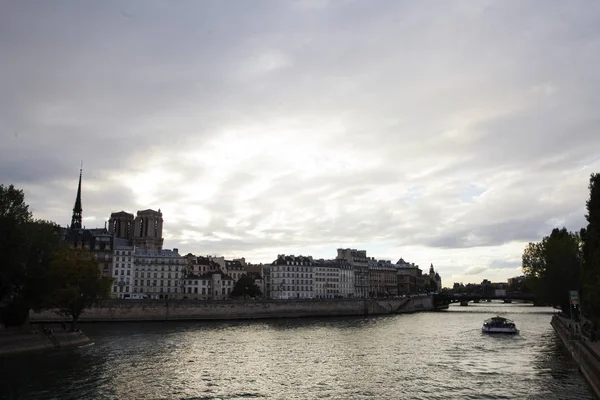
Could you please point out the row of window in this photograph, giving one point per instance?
(298, 281)
(225, 283)
(297, 288)
(205, 291)
(155, 268)
(292, 269)
(162, 283)
(149, 275)
(143, 289)
(291, 275)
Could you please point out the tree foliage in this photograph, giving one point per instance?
(552, 267)
(76, 282)
(246, 287)
(27, 247)
(591, 252)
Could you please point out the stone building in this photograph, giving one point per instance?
(144, 231)
(123, 270)
(409, 277)
(382, 278)
(435, 280)
(360, 265)
(257, 272)
(158, 274)
(326, 279)
(207, 286)
(347, 287)
(198, 265)
(291, 277)
(234, 268)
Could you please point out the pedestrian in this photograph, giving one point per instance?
(64, 326)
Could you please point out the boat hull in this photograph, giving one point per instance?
(500, 330)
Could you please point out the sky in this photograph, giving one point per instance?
(444, 132)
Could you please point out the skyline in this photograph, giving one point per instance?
(445, 133)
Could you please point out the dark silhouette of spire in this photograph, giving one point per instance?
(76, 219)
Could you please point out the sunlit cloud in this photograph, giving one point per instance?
(450, 133)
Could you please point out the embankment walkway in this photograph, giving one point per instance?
(585, 352)
(21, 340)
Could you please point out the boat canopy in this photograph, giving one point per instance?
(499, 320)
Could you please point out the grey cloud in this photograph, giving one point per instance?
(471, 123)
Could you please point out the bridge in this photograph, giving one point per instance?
(443, 299)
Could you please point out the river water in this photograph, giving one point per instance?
(438, 355)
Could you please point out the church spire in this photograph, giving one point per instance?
(76, 219)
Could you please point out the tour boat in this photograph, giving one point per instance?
(499, 325)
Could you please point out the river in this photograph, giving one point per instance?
(435, 355)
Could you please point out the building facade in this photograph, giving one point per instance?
(123, 270)
(382, 278)
(291, 277)
(326, 279)
(158, 274)
(207, 286)
(360, 265)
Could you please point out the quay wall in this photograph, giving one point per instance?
(178, 310)
(587, 359)
(36, 340)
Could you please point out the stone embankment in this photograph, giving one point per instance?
(586, 353)
(178, 310)
(36, 338)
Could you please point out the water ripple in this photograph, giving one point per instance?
(419, 356)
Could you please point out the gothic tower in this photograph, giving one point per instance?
(77, 211)
(121, 225)
(147, 231)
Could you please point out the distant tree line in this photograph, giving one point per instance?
(38, 271)
(566, 261)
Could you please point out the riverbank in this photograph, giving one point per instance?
(180, 310)
(585, 352)
(15, 341)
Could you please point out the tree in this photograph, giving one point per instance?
(76, 282)
(552, 267)
(245, 287)
(591, 253)
(26, 247)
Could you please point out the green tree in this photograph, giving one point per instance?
(246, 287)
(591, 253)
(552, 267)
(76, 283)
(26, 247)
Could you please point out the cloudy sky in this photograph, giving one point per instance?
(444, 132)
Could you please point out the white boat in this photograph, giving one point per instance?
(499, 325)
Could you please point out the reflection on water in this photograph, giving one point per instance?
(439, 355)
